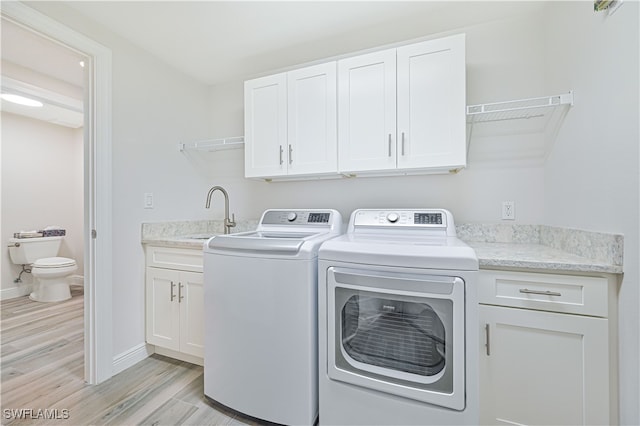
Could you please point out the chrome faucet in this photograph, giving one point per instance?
(228, 224)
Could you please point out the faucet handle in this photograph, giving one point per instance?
(231, 223)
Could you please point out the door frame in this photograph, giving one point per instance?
(98, 344)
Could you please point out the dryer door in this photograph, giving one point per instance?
(399, 332)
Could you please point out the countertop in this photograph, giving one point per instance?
(498, 246)
(536, 257)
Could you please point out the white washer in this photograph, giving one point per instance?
(261, 332)
(397, 317)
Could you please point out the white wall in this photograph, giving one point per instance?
(42, 176)
(592, 175)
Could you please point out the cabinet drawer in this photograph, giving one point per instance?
(546, 292)
(175, 258)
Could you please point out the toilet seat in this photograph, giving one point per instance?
(54, 262)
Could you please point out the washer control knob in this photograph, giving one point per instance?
(393, 217)
(292, 216)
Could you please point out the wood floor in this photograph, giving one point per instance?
(42, 368)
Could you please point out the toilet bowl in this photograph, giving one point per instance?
(52, 275)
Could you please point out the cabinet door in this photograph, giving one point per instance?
(163, 315)
(367, 112)
(191, 299)
(312, 109)
(543, 368)
(265, 122)
(431, 104)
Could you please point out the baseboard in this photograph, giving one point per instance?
(179, 355)
(131, 357)
(13, 292)
(76, 280)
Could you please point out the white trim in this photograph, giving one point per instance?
(98, 254)
(13, 292)
(179, 355)
(131, 357)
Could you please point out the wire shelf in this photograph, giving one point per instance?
(211, 145)
(523, 109)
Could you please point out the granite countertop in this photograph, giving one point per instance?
(544, 248)
(191, 234)
(498, 246)
(536, 256)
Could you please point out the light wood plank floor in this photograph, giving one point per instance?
(42, 365)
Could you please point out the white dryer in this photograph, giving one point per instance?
(397, 316)
(261, 339)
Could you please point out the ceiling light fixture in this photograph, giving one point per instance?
(82, 64)
(21, 100)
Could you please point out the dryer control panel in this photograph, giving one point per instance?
(425, 219)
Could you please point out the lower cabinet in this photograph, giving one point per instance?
(548, 354)
(175, 302)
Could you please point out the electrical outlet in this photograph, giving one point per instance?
(508, 210)
(148, 200)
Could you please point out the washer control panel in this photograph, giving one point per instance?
(297, 217)
(428, 218)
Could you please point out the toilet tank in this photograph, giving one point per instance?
(25, 251)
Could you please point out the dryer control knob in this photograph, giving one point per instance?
(292, 216)
(393, 217)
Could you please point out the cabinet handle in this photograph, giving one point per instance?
(281, 155)
(403, 143)
(180, 296)
(290, 154)
(544, 293)
(487, 334)
(389, 144)
(173, 293)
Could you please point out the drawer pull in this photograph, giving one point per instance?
(544, 293)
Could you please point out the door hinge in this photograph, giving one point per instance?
(94, 234)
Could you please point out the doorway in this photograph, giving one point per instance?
(97, 224)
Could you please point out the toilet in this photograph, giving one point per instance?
(51, 273)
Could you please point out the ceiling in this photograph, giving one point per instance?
(216, 42)
(220, 41)
(41, 69)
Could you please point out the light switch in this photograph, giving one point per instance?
(148, 200)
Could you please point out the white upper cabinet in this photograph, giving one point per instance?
(367, 112)
(290, 123)
(403, 109)
(265, 122)
(432, 104)
(312, 120)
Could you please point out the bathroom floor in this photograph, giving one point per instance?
(42, 369)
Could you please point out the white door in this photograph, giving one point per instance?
(312, 131)
(431, 104)
(367, 112)
(163, 316)
(543, 368)
(265, 123)
(191, 299)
